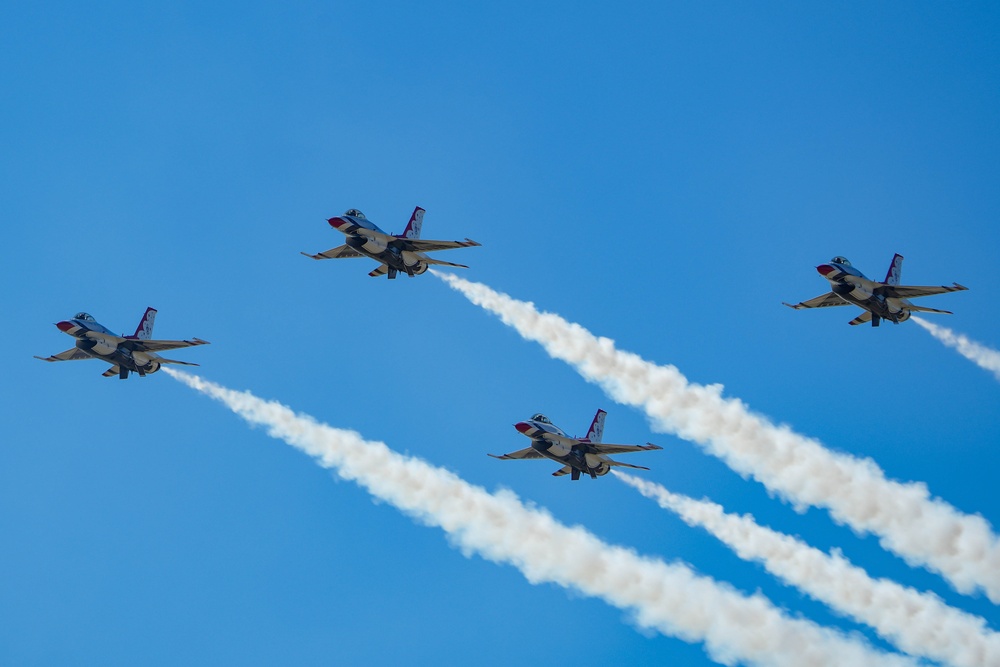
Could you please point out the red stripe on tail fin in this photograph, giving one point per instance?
(895, 270)
(596, 431)
(145, 329)
(412, 230)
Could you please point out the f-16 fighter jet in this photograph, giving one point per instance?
(579, 455)
(886, 300)
(127, 354)
(403, 253)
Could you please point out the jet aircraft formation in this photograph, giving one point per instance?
(406, 253)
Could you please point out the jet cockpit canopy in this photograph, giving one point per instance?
(354, 213)
(84, 316)
(540, 418)
(840, 260)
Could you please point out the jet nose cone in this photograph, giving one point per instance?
(825, 269)
(64, 325)
(522, 427)
(337, 223)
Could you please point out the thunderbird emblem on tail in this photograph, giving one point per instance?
(578, 455)
(403, 253)
(127, 354)
(887, 300)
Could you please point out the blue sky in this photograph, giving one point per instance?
(664, 176)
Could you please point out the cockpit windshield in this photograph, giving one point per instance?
(540, 418)
(840, 260)
(83, 316)
(354, 213)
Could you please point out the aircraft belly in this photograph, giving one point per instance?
(565, 459)
(883, 308)
(551, 447)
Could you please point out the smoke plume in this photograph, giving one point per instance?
(920, 624)
(909, 522)
(668, 597)
(982, 356)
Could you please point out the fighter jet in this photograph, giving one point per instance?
(395, 253)
(127, 354)
(886, 300)
(579, 455)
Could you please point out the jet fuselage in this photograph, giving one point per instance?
(97, 341)
(852, 286)
(368, 239)
(552, 442)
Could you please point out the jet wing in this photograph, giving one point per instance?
(912, 291)
(426, 245)
(72, 354)
(601, 448)
(340, 252)
(160, 345)
(822, 301)
(526, 453)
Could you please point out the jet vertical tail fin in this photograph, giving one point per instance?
(412, 230)
(145, 329)
(596, 431)
(895, 270)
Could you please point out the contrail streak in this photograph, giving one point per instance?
(920, 624)
(909, 522)
(668, 597)
(979, 354)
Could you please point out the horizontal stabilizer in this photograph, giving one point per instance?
(565, 470)
(174, 361)
(380, 271)
(626, 465)
(111, 372)
(861, 319)
(340, 252)
(438, 262)
(921, 309)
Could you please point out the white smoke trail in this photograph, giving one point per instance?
(923, 530)
(979, 354)
(668, 597)
(920, 624)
